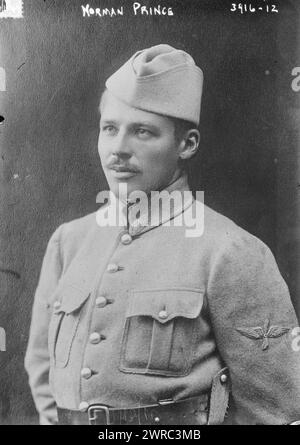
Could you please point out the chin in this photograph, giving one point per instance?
(123, 188)
(120, 180)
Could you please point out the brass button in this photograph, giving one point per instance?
(101, 301)
(95, 338)
(156, 419)
(57, 305)
(83, 406)
(86, 373)
(112, 268)
(223, 378)
(126, 239)
(163, 314)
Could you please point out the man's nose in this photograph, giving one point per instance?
(121, 146)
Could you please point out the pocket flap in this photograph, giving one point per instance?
(71, 298)
(165, 304)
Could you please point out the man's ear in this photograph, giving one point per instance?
(189, 145)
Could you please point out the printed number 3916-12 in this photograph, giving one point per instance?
(244, 7)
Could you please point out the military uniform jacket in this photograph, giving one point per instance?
(127, 322)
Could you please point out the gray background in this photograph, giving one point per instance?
(56, 62)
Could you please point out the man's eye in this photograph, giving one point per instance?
(142, 132)
(109, 129)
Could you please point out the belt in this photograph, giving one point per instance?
(206, 409)
(192, 411)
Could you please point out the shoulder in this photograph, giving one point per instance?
(227, 239)
(243, 270)
(79, 226)
(74, 232)
(71, 236)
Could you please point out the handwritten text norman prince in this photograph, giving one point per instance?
(136, 9)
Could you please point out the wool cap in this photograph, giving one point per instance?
(161, 80)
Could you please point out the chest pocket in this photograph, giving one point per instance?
(159, 332)
(64, 323)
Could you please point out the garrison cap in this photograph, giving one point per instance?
(161, 80)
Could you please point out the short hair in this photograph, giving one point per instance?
(181, 126)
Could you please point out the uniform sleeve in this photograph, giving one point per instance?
(37, 357)
(253, 318)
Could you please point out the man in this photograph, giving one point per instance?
(138, 322)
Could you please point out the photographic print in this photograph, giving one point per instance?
(149, 212)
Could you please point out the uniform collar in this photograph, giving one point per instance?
(138, 218)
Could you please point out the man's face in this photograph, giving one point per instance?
(136, 147)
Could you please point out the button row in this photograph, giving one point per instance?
(111, 268)
(125, 239)
(95, 338)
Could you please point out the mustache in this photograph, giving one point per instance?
(123, 167)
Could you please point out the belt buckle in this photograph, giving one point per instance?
(93, 417)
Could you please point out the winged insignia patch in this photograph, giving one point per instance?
(263, 333)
